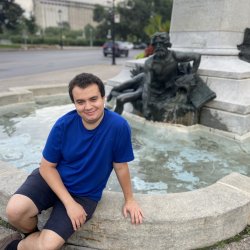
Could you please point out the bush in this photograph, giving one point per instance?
(50, 40)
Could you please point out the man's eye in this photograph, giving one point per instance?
(79, 102)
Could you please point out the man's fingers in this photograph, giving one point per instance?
(125, 212)
(74, 224)
(77, 223)
(136, 217)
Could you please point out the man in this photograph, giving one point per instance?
(82, 148)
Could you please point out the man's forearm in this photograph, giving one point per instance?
(123, 175)
(53, 179)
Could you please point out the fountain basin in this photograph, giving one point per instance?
(185, 220)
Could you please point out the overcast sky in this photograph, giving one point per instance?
(26, 5)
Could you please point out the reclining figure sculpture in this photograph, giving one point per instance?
(168, 89)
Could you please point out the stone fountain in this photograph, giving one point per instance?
(215, 33)
(167, 89)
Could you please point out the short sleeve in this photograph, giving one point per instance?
(52, 149)
(123, 150)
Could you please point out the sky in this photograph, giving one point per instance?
(27, 5)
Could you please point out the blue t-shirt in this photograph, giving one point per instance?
(85, 157)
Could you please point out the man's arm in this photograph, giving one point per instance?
(75, 211)
(131, 206)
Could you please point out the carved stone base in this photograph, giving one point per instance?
(188, 119)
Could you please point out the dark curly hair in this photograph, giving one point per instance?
(83, 80)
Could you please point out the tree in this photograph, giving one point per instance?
(89, 31)
(104, 17)
(156, 25)
(135, 15)
(163, 8)
(99, 13)
(134, 20)
(30, 25)
(10, 14)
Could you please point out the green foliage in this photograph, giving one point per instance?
(245, 233)
(49, 40)
(89, 32)
(10, 46)
(30, 24)
(99, 13)
(10, 15)
(163, 8)
(135, 15)
(156, 25)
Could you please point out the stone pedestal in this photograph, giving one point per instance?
(210, 27)
(214, 28)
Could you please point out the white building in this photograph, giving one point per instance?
(78, 13)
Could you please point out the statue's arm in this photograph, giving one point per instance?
(125, 85)
(188, 57)
(132, 83)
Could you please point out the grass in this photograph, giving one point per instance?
(5, 224)
(10, 46)
(245, 233)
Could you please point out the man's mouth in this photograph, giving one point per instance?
(90, 112)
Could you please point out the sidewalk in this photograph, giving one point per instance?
(104, 72)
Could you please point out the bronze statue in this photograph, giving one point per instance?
(245, 46)
(168, 88)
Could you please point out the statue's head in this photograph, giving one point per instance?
(161, 42)
(161, 38)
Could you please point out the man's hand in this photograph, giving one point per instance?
(134, 210)
(76, 214)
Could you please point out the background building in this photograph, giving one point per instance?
(77, 13)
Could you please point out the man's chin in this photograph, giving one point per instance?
(91, 120)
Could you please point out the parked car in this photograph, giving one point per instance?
(129, 45)
(120, 49)
(140, 46)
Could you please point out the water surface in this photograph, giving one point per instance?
(166, 161)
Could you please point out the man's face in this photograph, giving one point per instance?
(89, 105)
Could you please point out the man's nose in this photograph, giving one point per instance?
(87, 105)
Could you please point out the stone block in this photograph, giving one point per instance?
(226, 121)
(214, 24)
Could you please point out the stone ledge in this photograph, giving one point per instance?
(27, 97)
(185, 220)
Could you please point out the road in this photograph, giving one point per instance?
(46, 67)
(23, 63)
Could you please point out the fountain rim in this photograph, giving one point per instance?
(202, 215)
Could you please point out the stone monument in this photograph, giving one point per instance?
(214, 31)
(168, 88)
